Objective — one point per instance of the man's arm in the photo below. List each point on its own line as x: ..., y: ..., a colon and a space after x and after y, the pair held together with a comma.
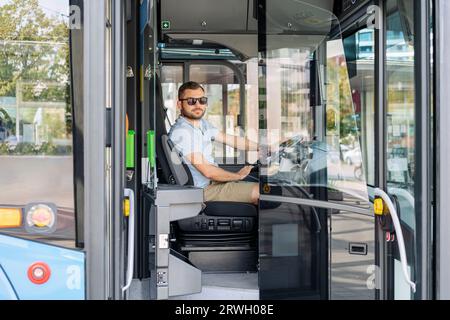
x: 236, y: 142
x: 215, y: 173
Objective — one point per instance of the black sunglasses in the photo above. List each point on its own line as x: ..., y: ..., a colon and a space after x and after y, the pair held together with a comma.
x: 193, y: 101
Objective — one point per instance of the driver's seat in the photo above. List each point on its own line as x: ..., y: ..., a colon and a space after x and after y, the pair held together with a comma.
x: 230, y: 226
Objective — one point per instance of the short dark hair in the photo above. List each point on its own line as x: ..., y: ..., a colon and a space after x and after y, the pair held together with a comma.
x: 191, y: 85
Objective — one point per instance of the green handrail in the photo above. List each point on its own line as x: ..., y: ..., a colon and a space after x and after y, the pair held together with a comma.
x: 151, y: 146
x: 130, y: 149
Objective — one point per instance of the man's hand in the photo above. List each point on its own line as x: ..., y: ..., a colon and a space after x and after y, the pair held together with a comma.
x: 244, y: 172
x: 236, y: 142
x: 214, y: 173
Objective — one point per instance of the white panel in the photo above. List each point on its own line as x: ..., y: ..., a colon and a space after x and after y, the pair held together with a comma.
x: 402, y: 289
x: 220, y: 16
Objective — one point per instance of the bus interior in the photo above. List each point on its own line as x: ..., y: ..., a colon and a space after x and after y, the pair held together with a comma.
x: 302, y: 78
x: 283, y: 80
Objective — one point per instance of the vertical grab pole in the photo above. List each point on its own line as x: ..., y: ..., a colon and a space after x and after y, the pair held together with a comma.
x: 130, y: 265
x: 399, y: 233
x: 130, y: 149
x: 151, y: 148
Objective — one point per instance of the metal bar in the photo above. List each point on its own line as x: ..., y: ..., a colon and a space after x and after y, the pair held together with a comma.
x: 108, y: 163
x: 94, y: 52
x: 186, y: 71
x: 442, y: 69
x: 380, y: 102
x: 118, y: 145
x: 319, y: 204
x: 76, y: 80
x: 224, y: 117
x: 422, y: 142
x: 356, y: 19
x: 380, y: 142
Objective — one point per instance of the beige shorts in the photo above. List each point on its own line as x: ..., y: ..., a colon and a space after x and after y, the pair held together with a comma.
x: 230, y: 191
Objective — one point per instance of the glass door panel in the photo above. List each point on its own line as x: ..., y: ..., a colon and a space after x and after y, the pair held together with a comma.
x: 292, y: 263
x: 401, y: 128
x: 306, y: 137
x: 360, y: 54
x: 307, y: 123
x: 37, y: 119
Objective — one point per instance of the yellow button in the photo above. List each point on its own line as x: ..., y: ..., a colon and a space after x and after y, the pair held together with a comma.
x: 10, y: 217
x: 378, y: 207
x: 126, y: 207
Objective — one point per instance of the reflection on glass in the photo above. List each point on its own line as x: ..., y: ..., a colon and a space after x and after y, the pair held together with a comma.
x: 313, y: 138
x: 360, y: 54
x: 401, y: 119
x: 310, y: 138
x: 36, y: 163
x: 347, y: 172
x: 171, y: 81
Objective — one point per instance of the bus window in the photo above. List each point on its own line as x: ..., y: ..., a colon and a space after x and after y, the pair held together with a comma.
x: 36, y: 158
x: 223, y: 88
x: 171, y: 80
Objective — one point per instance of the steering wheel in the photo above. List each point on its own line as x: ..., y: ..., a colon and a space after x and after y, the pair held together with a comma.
x: 293, y: 158
x: 256, y: 166
x: 295, y: 149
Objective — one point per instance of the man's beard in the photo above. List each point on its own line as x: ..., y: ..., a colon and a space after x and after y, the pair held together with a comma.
x: 191, y: 115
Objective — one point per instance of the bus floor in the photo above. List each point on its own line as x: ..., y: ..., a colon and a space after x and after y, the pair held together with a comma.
x: 215, y: 286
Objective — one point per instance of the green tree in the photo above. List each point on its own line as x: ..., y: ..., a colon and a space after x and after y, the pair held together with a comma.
x: 340, y: 104
x: 30, y: 40
x: 34, y: 49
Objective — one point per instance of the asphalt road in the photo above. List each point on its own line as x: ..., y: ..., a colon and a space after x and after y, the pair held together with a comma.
x: 26, y: 179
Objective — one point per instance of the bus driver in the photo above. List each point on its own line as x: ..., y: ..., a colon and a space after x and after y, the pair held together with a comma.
x: 193, y: 136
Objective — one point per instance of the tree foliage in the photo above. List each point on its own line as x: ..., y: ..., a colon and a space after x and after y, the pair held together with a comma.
x: 341, y: 119
x: 34, y: 45
x: 34, y: 52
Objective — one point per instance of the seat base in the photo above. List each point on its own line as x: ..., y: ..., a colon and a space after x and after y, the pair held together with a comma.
x: 223, y: 238
x: 227, y: 286
x: 224, y: 260
x: 232, y: 209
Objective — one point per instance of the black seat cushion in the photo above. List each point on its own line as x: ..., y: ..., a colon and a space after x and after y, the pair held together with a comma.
x: 230, y: 209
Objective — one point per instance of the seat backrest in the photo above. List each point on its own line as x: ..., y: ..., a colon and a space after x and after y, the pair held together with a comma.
x: 180, y: 173
x: 173, y: 168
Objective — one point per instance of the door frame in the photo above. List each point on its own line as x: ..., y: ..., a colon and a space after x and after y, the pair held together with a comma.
x: 104, y: 83
x: 442, y: 155
x: 94, y: 85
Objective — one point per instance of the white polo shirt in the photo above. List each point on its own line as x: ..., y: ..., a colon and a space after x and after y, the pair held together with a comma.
x: 189, y: 139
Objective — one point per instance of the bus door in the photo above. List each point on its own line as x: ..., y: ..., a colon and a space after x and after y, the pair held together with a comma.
x: 316, y: 223
x: 382, y: 67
